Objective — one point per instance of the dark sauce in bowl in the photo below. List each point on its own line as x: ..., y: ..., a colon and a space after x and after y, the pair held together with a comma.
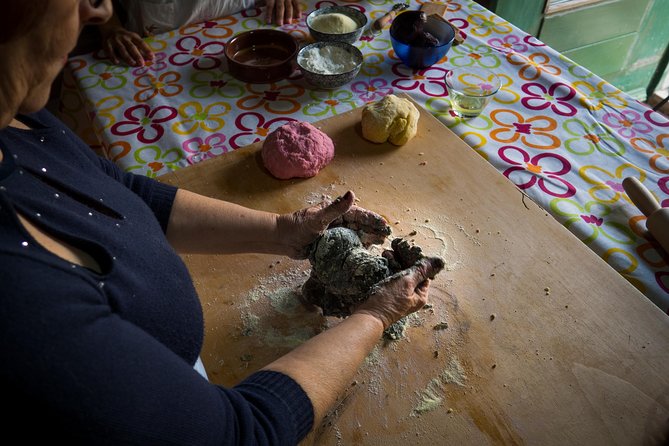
x: 261, y: 56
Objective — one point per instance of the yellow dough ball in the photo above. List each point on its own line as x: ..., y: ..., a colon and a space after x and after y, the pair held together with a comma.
x: 390, y: 119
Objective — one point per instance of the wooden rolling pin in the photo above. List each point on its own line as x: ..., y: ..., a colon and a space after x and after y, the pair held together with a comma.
x: 657, y: 221
x: 375, y: 28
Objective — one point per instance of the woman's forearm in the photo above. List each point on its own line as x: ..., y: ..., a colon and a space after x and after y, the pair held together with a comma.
x: 204, y: 225
x: 325, y: 365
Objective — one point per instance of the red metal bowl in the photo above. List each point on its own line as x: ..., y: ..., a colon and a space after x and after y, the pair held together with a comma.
x: 261, y: 56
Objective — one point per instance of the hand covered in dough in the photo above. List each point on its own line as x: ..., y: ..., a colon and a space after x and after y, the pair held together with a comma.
x: 402, y: 293
x: 299, y: 229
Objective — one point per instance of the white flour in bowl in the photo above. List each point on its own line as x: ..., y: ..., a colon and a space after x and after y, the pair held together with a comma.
x: 327, y: 60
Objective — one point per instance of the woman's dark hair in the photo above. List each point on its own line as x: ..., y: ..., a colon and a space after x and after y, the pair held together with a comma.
x: 19, y: 16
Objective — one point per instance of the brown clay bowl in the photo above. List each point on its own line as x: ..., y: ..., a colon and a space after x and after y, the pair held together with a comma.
x: 261, y: 56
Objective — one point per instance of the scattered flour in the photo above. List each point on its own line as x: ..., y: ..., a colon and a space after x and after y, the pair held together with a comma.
x: 454, y: 373
x: 430, y: 398
x: 285, y: 300
x: 433, y: 395
x: 250, y: 323
x: 273, y: 296
x: 296, y: 337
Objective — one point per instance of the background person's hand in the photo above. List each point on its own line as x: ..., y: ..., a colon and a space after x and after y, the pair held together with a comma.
x: 281, y: 12
x: 402, y: 293
x: 299, y: 229
x: 122, y: 45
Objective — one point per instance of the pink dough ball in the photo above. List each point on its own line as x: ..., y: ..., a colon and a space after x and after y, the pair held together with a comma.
x: 296, y: 150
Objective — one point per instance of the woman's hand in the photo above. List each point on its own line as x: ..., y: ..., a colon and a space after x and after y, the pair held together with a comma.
x: 121, y: 44
x: 299, y: 229
x: 402, y: 293
x: 281, y: 12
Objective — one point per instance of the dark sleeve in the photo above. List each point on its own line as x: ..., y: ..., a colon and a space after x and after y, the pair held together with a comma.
x: 87, y: 376
x: 158, y: 196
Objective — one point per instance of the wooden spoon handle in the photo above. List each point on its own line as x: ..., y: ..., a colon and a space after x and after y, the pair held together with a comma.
x: 640, y: 196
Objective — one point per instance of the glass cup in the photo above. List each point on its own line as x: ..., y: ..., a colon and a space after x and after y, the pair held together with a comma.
x: 470, y: 89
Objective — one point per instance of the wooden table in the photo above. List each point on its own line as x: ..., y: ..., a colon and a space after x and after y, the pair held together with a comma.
x: 545, y: 344
x: 564, y: 136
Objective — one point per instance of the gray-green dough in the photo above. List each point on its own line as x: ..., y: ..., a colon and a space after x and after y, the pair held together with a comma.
x: 344, y: 273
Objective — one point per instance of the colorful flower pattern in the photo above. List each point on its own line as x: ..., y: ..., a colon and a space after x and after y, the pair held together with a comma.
x: 167, y: 85
x: 564, y: 136
x: 533, y: 66
x: 534, y: 132
x: 556, y: 97
x: 544, y: 170
x: 144, y: 122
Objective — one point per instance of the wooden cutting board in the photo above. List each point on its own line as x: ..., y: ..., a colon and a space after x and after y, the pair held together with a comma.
x: 531, y: 338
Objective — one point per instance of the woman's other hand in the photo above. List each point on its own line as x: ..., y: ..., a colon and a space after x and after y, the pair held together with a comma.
x: 299, y: 229
x: 402, y: 293
x: 280, y: 12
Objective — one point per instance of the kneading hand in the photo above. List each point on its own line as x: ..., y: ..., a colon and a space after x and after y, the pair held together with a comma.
x: 280, y: 12
x: 121, y: 44
x: 299, y: 229
x: 402, y: 293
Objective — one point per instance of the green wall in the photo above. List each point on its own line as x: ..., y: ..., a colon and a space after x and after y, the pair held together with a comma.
x: 623, y: 41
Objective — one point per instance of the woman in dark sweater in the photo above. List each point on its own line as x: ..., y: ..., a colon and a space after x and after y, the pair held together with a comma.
x: 100, y: 323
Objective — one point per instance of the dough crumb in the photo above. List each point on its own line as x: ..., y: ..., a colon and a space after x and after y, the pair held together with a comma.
x: 441, y: 326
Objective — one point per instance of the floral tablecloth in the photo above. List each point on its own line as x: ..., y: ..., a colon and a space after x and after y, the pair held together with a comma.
x: 564, y: 136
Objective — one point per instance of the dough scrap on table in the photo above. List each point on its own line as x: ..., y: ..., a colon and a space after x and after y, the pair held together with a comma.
x: 391, y: 119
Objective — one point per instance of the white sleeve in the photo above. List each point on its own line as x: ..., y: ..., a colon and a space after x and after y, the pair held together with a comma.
x: 148, y: 17
x: 211, y: 9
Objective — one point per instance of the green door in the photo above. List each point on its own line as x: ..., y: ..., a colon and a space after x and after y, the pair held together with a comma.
x: 622, y: 41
